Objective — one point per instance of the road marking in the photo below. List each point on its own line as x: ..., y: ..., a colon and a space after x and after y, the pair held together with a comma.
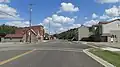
x: 61, y: 49
x: 93, y: 46
x: 16, y: 57
x: 47, y: 48
x: 89, y: 45
x: 98, y: 59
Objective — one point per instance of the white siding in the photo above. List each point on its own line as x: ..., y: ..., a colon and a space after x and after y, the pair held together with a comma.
x: 111, y: 26
x: 117, y: 33
x: 83, y: 32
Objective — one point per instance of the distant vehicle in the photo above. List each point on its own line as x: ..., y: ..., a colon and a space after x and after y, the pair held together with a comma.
x: 46, y: 38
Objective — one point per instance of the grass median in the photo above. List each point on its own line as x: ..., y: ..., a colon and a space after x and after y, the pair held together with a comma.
x: 111, y: 57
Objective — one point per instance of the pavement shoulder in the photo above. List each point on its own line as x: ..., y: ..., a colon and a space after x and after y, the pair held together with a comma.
x: 98, y: 59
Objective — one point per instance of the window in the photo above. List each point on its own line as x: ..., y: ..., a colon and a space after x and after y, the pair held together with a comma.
x: 115, y: 36
x: 118, y: 24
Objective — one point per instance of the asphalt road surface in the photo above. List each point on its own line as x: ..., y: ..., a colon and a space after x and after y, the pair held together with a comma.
x: 57, y: 53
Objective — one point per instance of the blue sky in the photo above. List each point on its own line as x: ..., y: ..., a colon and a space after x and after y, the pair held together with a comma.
x: 61, y: 14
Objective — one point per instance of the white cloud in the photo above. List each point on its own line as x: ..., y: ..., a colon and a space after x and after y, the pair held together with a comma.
x: 4, y: 1
x: 58, y: 19
x: 113, y: 18
x: 74, y: 26
x: 114, y: 11
x: 107, y: 1
x: 86, y: 18
x: 91, y: 22
x: 56, y: 24
x: 62, y: 19
x: 52, y: 25
x: 110, y: 13
x: 18, y: 23
x: 62, y: 29
x: 68, y: 7
x: 104, y: 17
x: 7, y: 12
x: 40, y: 24
x: 47, y: 20
x: 94, y: 16
x: 59, y: 23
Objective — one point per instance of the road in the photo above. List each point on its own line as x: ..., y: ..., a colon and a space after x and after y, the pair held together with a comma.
x: 57, y: 53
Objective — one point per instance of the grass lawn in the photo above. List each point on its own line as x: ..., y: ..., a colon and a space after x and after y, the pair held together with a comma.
x: 111, y: 57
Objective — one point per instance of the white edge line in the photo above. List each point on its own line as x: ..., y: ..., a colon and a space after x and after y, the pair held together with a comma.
x: 98, y: 59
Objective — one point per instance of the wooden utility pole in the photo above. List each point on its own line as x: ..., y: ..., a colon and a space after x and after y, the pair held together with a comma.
x: 30, y: 20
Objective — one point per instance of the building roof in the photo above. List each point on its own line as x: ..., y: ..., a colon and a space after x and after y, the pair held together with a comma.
x: 14, y: 36
x: 2, y: 34
x: 21, y: 31
x: 108, y: 21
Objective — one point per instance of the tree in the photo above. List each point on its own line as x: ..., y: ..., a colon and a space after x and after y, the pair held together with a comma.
x: 71, y: 34
x: 7, y: 29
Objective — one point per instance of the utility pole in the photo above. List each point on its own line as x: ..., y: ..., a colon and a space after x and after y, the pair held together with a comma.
x: 49, y: 30
x: 30, y: 20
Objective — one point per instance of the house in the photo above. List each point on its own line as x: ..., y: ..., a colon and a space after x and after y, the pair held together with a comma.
x: 83, y: 33
x: 13, y: 38
x: 26, y: 34
x: 105, y: 31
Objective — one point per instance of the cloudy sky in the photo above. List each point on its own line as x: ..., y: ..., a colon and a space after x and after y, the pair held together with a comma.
x: 60, y: 14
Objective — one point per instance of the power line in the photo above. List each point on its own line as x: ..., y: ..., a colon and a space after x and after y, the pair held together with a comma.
x: 13, y: 20
x: 8, y: 14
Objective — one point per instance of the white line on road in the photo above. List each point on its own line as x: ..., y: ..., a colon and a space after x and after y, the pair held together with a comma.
x: 45, y: 48
x: 98, y: 59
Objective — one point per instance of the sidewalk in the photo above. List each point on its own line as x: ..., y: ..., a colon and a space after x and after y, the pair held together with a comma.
x: 103, y: 44
x: 8, y: 44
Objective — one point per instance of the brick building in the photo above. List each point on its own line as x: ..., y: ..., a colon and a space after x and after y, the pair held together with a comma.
x: 23, y: 34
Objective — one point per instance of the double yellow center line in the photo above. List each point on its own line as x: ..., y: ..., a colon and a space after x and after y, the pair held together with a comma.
x: 16, y: 57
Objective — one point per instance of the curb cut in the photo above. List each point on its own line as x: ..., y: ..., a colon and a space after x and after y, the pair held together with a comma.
x: 98, y: 59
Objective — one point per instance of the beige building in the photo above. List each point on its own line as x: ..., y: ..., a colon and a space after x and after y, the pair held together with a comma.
x: 108, y: 31
x: 83, y: 33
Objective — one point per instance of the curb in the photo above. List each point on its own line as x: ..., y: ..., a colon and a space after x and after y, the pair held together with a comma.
x: 107, y: 45
x: 98, y: 59
x: 85, y: 43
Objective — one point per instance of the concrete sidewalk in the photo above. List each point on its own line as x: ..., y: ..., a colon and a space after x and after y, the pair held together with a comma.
x: 103, y: 44
x: 8, y: 44
x: 12, y: 44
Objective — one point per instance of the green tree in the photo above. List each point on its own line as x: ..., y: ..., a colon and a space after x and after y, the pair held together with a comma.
x: 7, y: 29
x: 71, y: 34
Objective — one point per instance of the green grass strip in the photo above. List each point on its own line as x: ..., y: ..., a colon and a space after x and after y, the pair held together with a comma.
x: 111, y: 57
